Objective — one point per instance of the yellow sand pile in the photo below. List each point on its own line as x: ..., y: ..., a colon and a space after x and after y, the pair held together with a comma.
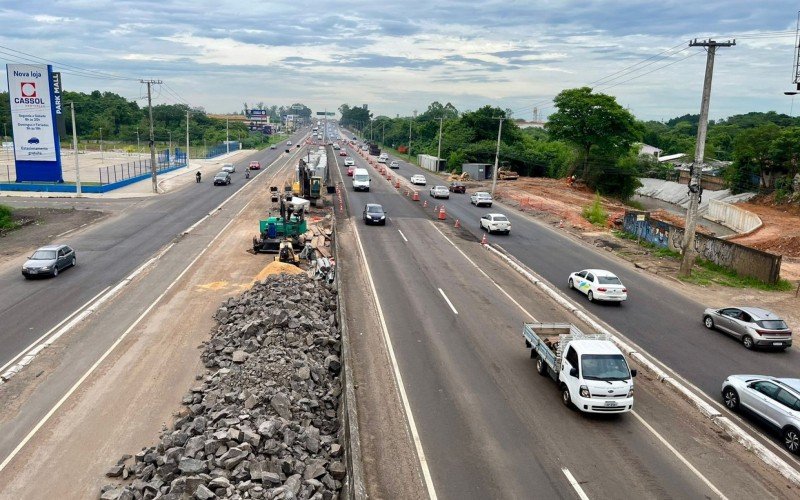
x: 277, y: 267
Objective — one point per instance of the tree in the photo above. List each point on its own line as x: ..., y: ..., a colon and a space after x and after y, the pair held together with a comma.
x: 591, y: 120
x: 751, y: 152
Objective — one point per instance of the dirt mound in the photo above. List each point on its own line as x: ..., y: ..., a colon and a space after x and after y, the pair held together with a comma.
x: 277, y: 267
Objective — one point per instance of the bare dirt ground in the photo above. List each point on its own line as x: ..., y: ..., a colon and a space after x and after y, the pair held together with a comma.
x: 39, y: 226
x: 552, y: 201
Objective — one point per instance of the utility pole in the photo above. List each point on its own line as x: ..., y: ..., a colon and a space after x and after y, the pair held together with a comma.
x: 152, y: 134
x: 101, y: 143
x: 439, y: 151
x: 169, y: 149
x: 497, y: 155
x: 75, y: 152
x: 187, y: 137
x: 410, y: 121
x: 138, y: 150
x: 227, y: 138
x: 689, y: 254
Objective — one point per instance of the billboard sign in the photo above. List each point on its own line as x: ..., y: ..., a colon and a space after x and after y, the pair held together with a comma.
x: 33, y: 118
x: 254, y: 112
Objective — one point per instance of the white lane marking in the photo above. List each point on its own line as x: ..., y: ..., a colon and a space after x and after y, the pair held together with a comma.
x: 484, y: 273
x: 679, y: 456
x: 648, y: 426
x: 426, y: 473
x: 403, y: 235
x: 581, y: 494
x: 448, y: 301
x: 97, y: 363
x: 33, y: 344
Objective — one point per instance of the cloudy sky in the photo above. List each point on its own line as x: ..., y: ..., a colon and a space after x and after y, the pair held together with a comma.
x: 400, y: 56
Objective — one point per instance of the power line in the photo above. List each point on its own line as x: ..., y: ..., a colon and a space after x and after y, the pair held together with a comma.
x: 90, y: 72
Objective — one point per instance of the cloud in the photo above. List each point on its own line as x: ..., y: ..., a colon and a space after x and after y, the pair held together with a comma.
x: 400, y: 56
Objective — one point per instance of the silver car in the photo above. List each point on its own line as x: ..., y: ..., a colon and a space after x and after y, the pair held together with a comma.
x: 48, y: 261
x: 481, y: 198
x: 752, y: 325
x: 776, y: 400
x: 440, y: 192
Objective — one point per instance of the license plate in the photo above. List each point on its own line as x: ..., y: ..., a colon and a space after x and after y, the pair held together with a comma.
x: 611, y: 403
x: 33, y: 271
x: 777, y: 343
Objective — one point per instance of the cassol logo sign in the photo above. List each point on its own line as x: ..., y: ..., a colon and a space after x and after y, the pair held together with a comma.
x: 28, y: 92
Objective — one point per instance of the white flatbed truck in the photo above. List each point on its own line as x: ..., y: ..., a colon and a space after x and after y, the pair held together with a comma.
x: 590, y: 370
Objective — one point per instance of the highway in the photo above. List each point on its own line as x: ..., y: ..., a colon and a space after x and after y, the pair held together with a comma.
x: 488, y: 424
x: 656, y: 317
x: 106, y: 252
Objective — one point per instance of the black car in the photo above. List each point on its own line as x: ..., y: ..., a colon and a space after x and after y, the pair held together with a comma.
x: 374, y: 214
x: 222, y: 179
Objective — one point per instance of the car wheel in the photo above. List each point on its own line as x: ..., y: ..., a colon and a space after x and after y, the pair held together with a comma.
x: 731, y: 398
x: 541, y: 367
x: 55, y: 270
x: 26, y: 276
x: 590, y: 296
x: 74, y: 261
x: 570, y: 284
x: 708, y: 321
x: 747, y: 340
x: 791, y: 439
x: 565, y: 398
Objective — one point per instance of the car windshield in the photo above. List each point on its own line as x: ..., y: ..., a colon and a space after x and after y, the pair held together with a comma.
x: 773, y: 324
x: 44, y: 255
x: 220, y: 176
x: 482, y: 195
x: 374, y: 209
x: 361, y: 177
x: 608, y: 280
x: 500, y: 218
x: 604, y: 367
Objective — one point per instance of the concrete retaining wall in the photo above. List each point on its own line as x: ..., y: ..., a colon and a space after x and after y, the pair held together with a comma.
x: 744, y: 260
x: 731, y: 216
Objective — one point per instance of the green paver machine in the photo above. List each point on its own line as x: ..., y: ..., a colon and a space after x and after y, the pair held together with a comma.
x: 290, y: 225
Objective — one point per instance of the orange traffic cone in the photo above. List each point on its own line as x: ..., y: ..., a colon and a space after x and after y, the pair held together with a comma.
x: 397, y: 184
x: 442, y: 213
x: 415, y: 197
x: 458, y: 223
x: 484, y: 240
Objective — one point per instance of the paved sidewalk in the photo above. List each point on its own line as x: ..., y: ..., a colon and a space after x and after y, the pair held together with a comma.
x: 166, y: 182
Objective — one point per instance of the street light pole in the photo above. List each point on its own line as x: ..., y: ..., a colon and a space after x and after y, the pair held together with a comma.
x: 227, y: 137
x: 101, y: 143
x: 439, y: 151
x: 75, y: 151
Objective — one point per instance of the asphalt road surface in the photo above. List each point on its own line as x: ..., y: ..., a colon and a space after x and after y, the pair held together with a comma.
x: 106, y: 254
x: 489, y: 425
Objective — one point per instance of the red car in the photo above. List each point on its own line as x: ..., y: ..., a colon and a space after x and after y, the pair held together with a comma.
x: 342, y: 153
x: 254, y: 165
x: 350, y: 171
x: 457, y: 187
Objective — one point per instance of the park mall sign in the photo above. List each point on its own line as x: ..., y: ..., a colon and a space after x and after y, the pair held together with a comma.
x: 33, y: 115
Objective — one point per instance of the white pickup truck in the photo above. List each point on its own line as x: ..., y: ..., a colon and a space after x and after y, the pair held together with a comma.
x: 589, y: 369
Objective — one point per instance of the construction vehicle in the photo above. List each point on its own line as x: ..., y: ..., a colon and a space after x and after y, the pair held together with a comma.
x: 287, y: 254
x: 504, y: 174
x: 290, y: 225
x: 309, y: 186
x: 374, y: 150
x: 463, y: 176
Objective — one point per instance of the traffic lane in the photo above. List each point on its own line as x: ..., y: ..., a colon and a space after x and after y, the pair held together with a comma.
x: 474, y: 399
x: 106, y: 254
x: 450, y: 432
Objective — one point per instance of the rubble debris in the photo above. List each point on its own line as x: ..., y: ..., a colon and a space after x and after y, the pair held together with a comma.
x: 264, y: 422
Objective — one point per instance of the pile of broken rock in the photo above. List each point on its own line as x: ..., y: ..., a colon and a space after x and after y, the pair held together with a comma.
x: 263, y: 421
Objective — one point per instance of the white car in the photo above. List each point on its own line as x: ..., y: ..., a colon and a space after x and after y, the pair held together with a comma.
x: 776, y: 400
x: 381, y: 159
x: 481, y: 198
x: 440, y: 192
x: 418, y: 180
x: 495, y: 223
x: 348, y: 162
x: 394, y: 164
x: 228, y: 167
x: 288, y: 143
x: 598, y: 284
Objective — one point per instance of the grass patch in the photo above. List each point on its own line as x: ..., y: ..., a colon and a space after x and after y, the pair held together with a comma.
x: 594, y: 213
x: 706, y: 273
x: 6, y: 219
